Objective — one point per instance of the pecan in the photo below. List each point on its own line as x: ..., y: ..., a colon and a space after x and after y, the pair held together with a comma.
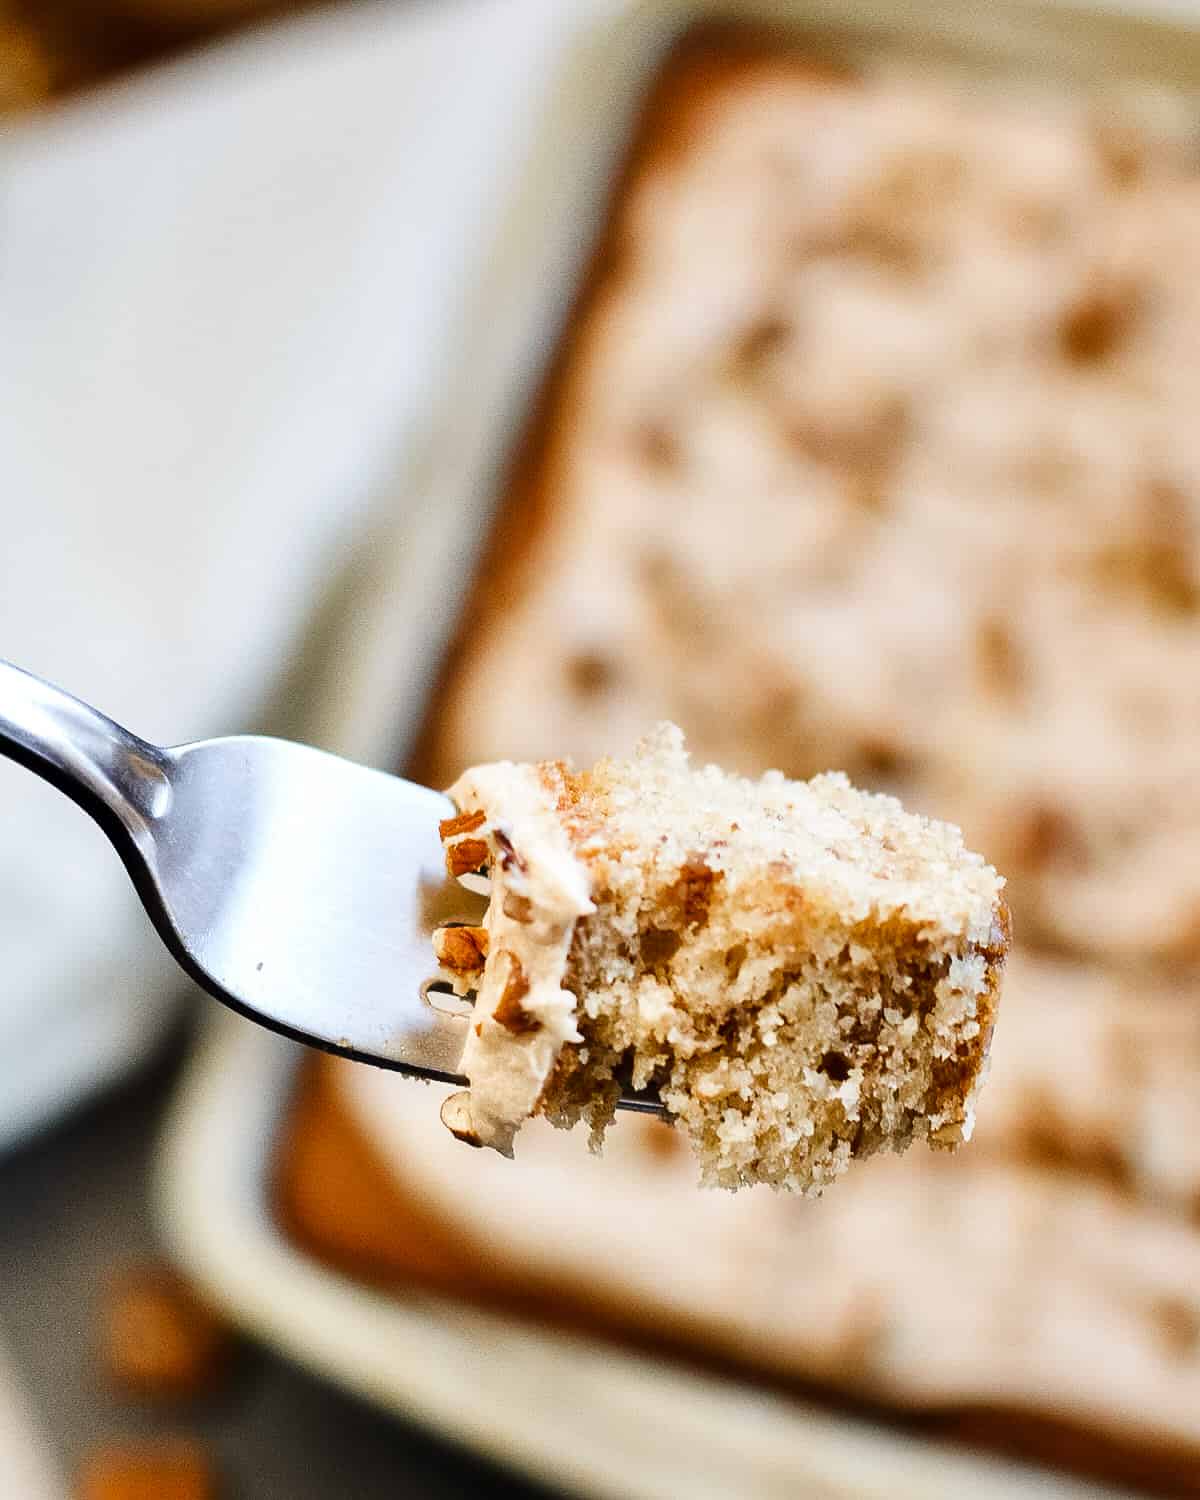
x: 466, y: 855
x: 510, y: 1013
x: 462, y: 949
x: 465, y: 822
x: 456, y: 1117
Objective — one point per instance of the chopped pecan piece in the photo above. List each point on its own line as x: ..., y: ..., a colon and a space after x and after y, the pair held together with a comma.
x: 456, y: 1117
x: 462, y: 949
x: 510, y: 1013
x: 466, y: 855
x: 466, y: 822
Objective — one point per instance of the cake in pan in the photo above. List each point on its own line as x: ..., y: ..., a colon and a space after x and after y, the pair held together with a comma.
x: 1037, y: 1293
x: 872, y: 448
x: 871, y: 445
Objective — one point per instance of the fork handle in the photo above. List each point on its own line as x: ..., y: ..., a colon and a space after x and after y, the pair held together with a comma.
x: 119, y: 779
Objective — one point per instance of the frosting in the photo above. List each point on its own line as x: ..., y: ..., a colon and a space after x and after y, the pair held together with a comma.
x: 522, y: 1016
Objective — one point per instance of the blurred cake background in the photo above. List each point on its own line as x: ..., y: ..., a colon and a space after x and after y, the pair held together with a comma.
x: 868, y: 443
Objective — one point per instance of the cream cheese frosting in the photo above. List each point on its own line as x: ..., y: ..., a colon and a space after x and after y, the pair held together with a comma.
x: 522, y: 1015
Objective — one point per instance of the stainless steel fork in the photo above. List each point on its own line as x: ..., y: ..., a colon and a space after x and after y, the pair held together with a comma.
x: 297, y: 887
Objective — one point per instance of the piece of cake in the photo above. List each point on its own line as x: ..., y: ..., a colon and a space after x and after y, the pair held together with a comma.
x: 802, y: 971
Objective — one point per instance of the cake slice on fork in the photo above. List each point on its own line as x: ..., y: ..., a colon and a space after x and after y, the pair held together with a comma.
x: 803, y: 972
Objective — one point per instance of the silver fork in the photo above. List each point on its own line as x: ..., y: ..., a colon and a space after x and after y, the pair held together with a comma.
x: 299, y: 888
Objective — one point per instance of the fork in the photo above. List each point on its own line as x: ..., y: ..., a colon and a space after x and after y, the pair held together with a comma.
x: 299, y: 888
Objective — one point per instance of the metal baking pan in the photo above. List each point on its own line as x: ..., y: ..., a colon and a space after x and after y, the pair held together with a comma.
x: 560, y: 1406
